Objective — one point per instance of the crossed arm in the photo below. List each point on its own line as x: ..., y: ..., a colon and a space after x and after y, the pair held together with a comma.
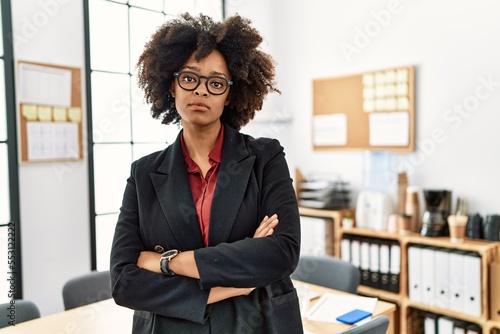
x: 184, y: 263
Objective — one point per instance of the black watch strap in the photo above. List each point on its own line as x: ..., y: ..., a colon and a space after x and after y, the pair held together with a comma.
x: 165, y: 259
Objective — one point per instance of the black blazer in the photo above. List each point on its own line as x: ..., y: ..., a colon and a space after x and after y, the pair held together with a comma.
x: 158, y: 209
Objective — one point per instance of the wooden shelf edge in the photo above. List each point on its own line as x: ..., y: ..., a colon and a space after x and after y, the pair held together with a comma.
x: 365, y: 232
x: 304, y: 211
x: 457, y: 315
x: 468, y: 245
x: 382, y: 294
x: 494, y: 324
x: 473, y: 245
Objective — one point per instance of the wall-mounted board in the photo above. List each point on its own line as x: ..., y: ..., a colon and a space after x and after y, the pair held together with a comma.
x: 369, y: 111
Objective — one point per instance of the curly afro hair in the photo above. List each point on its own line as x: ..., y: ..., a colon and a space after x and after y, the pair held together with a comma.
x: 252, y: 71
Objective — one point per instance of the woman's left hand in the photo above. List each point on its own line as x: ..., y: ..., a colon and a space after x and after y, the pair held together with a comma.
x: 150, y: 261
x: 266, y: 226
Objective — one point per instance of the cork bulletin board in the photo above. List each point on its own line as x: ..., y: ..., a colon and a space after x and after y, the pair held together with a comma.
x: 368, y: 111
x: 49, y: 112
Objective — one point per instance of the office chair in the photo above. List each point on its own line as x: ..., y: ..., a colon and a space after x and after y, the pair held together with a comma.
x: 328, y: 271
x: 377, y: 325
x: 21, y: 310
x: 87, y: 289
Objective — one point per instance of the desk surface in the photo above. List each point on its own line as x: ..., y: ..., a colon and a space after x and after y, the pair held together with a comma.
x: 381, y: 308
x: 106, y: 317
x: 103, y: 317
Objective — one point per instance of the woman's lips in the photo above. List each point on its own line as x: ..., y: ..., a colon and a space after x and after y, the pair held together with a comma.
x: 198, y: 106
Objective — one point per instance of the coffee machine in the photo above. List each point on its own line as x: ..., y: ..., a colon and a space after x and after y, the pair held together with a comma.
x: 437, y: 210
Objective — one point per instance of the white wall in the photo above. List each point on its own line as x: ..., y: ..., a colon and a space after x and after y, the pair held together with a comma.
x: 54, y: 197
x: 454, y: 48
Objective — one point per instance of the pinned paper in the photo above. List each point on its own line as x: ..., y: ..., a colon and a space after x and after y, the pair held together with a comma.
x: 330, y: 130
x: 44, y: 85
x: 44, y: 113
x: 389, y: 129
x: 60, y: 114
x: 29, y: 111
x: 75, y: 114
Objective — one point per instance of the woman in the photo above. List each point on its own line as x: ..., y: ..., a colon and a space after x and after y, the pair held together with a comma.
x: 198, y: 246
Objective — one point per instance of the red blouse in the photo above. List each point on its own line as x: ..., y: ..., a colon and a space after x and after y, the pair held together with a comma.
x: 203, y: 188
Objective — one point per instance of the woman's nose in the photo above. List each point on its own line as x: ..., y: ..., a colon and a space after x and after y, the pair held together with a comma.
x: 202, y: 88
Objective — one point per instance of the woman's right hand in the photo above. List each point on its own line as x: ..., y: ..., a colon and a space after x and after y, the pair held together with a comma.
x: 266, y: 226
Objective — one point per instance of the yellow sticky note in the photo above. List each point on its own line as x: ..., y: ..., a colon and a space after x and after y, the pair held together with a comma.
x: 75, y: 114
x: 29, y: 111
x: 368, y: 105
x: 44, y: 113
x: 402, y: 75
x: 59, y: 114
x: 368, y: 80
x: 402, y: 89
x: 390, y: 76
x: 403, y: 103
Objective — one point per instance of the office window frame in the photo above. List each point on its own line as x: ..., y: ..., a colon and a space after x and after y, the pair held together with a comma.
x: 12, y: 154
x: 93, y: 147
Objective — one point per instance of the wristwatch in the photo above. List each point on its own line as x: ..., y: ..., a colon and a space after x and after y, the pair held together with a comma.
x: 165, y: 259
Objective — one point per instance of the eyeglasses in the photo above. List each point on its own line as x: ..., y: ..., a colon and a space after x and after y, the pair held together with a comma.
x: 216, y: 85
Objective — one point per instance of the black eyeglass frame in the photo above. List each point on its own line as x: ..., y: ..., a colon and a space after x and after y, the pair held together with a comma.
x: 207, y: 79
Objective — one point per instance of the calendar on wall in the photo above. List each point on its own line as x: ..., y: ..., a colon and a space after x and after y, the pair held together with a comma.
x: 50, y: 112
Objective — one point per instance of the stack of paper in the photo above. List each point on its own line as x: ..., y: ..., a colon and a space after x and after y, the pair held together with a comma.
x: 330, y: 306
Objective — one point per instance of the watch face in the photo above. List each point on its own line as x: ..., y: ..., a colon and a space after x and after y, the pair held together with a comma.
x: 170, y: 253
x: 165, y: 259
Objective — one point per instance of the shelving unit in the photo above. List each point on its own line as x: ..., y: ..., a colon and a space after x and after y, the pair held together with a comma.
x: 488, y: 251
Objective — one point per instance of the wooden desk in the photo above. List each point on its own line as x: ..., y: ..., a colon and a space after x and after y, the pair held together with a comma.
x: 381, y: 308
x: 106, y: 317
x: 103, y: 317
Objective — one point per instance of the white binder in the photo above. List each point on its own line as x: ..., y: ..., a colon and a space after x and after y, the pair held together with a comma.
x: 415, y: 273
x: 430, y: 325
x: 355, y: 252
x: 345, y: 249
x: 473, y: 329
x: 394, y: 267
x: 459, y: 327
x: 365, y: 254
x: 445, y: 325
x: 428, y: 274
x: 457, y: 287
x: 375, y: 264
x: 395, y: 263
x: 472, y: 284
x: 365, y: 261
x: 313, y: 232
x: 385, y: 257
x: 441, y: 278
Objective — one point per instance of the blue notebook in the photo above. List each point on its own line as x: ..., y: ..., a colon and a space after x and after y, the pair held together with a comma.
x: 353, y: 316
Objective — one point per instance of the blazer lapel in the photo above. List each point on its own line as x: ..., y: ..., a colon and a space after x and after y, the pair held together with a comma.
x: 234, y: 173
x: 174, y: 194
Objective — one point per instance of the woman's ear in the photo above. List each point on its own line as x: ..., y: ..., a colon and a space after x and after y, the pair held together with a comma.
x: 172, y: 90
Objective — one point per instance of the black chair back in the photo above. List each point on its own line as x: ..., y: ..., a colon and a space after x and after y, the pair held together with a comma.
x: 87, y: 289
x: 328, y: 271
